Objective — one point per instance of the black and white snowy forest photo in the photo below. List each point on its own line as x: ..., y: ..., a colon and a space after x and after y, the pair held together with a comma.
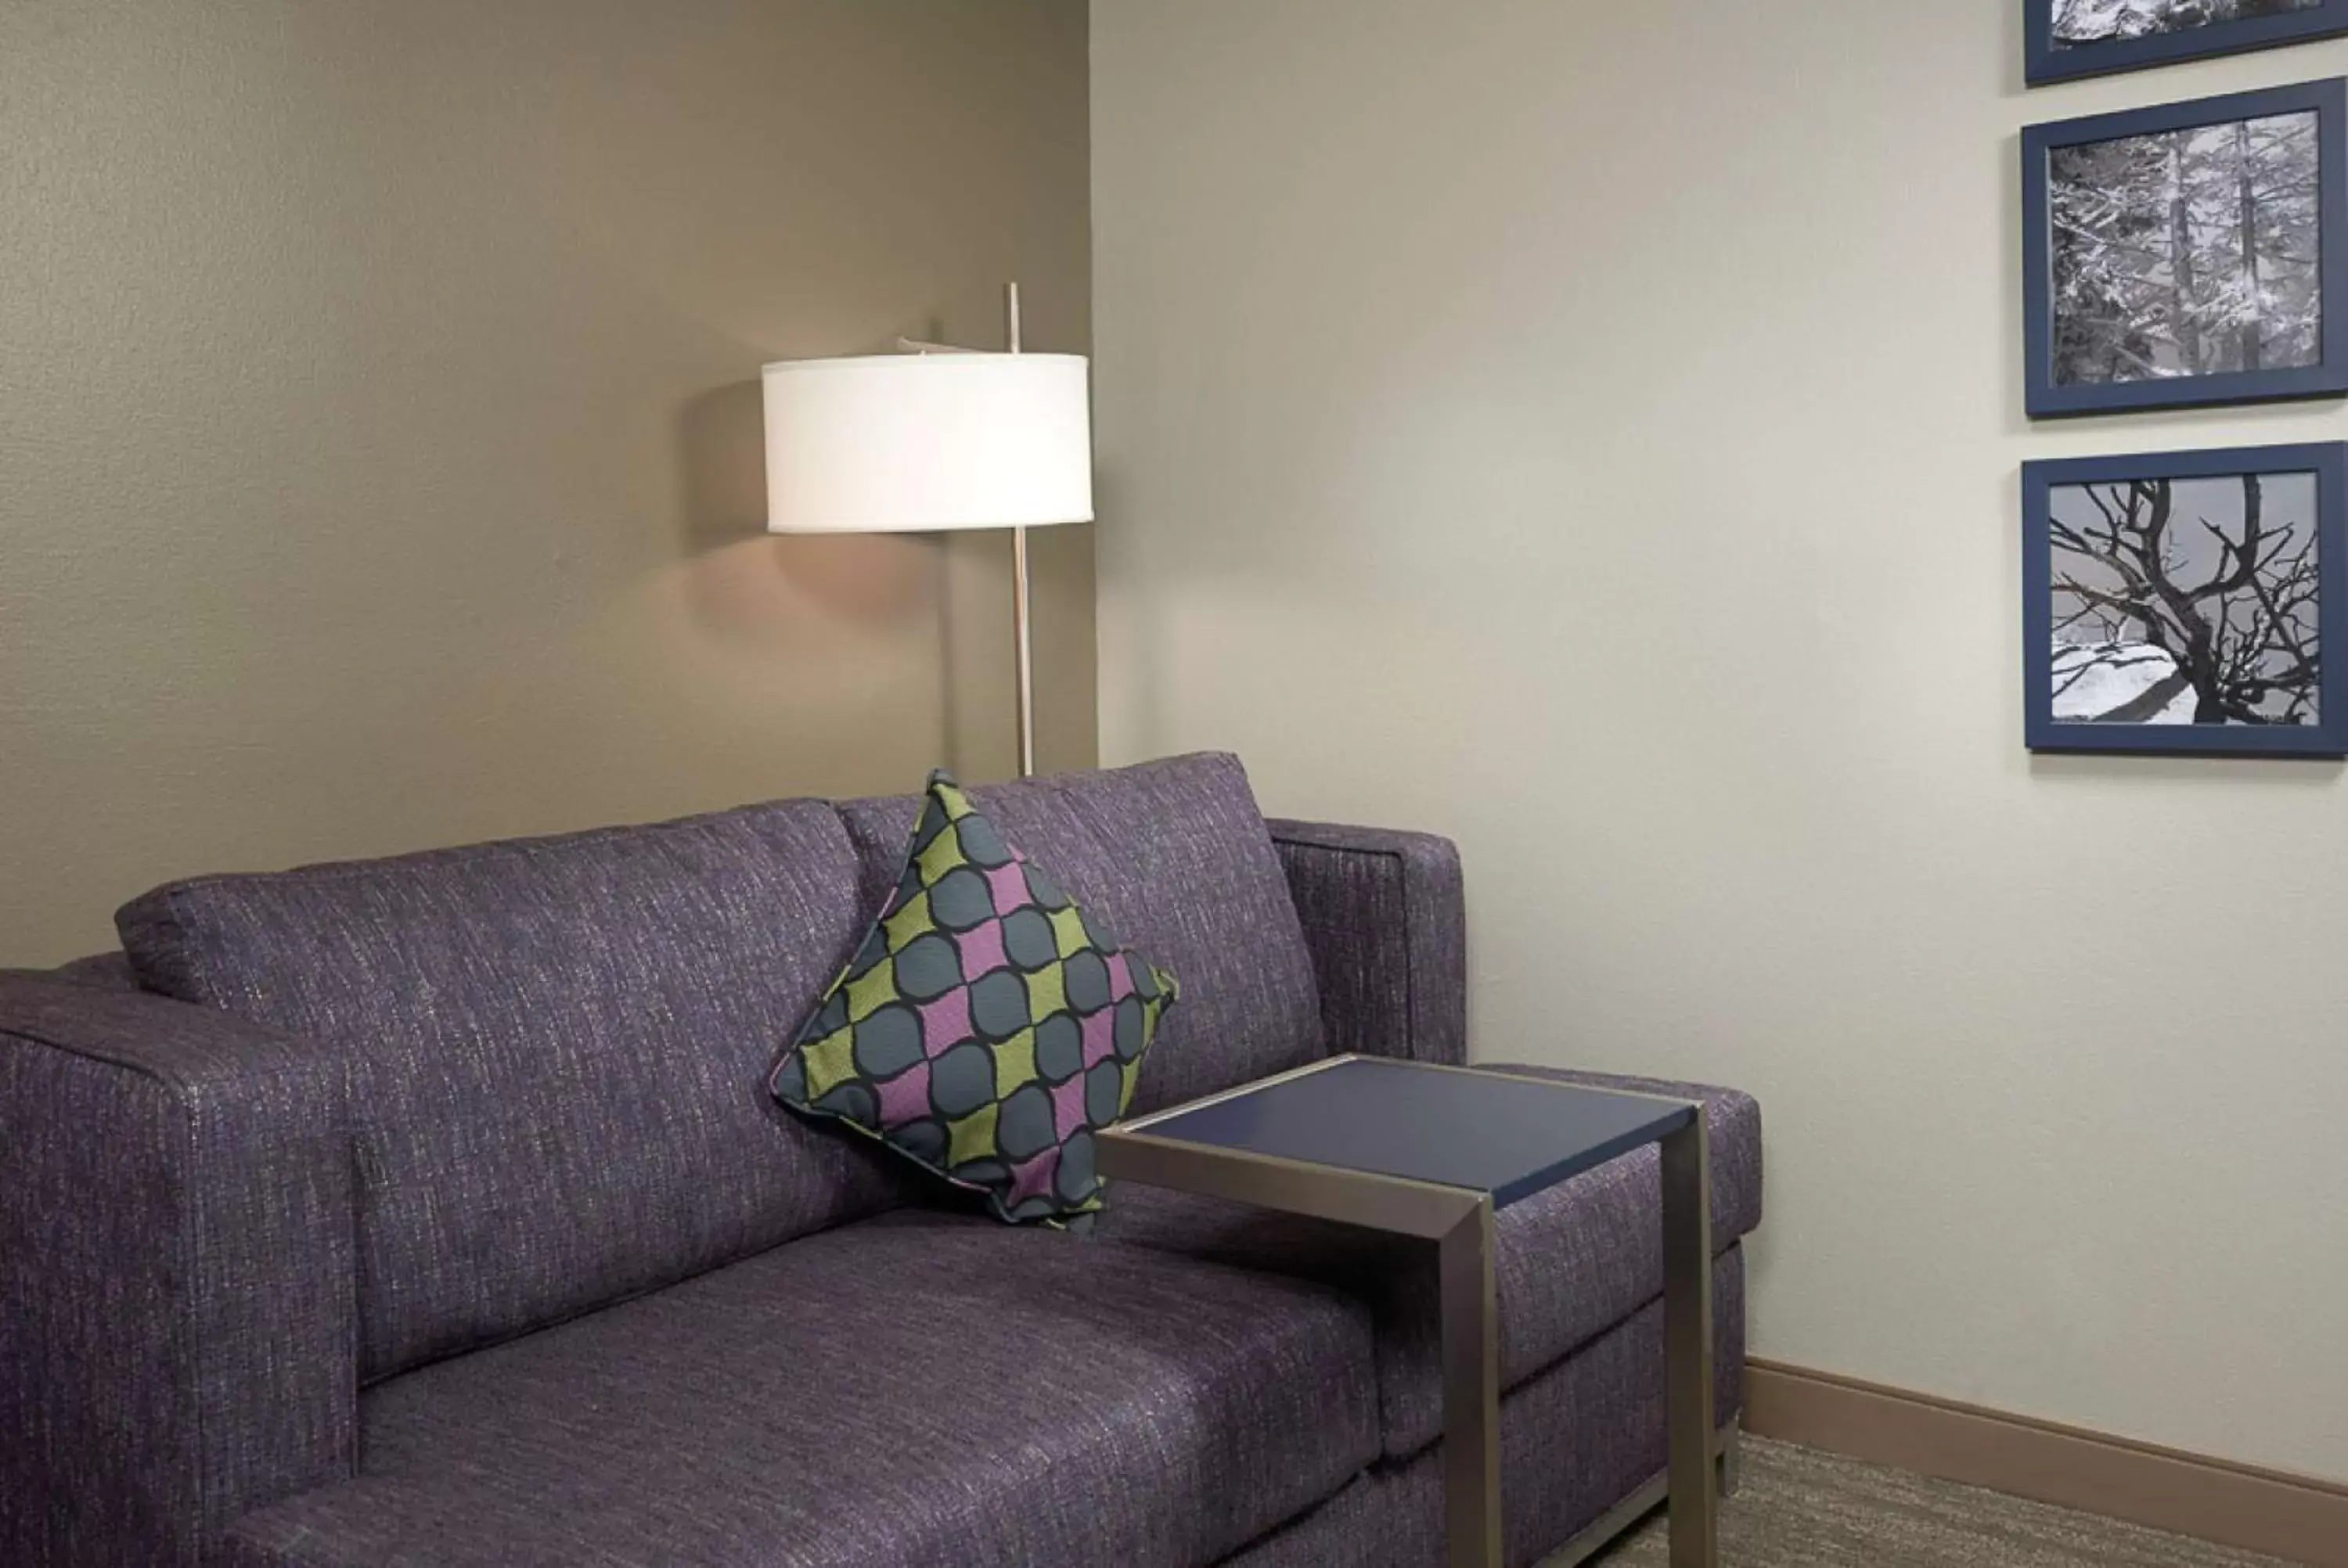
x: 2187, y: 252
x: 2073, y: 38
x: 2078, y: 22
x: 2186, y: 601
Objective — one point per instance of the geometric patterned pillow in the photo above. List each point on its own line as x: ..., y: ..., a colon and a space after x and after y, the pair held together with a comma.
x: 985, y: 1028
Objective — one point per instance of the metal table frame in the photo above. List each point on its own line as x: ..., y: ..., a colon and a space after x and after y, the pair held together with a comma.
x: 1459, y: 1220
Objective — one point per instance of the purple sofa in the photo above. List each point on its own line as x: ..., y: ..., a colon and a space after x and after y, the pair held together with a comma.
x: 433, y: 1210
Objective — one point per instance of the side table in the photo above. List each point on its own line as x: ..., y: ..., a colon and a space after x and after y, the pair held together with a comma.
x: 1435, y: 1152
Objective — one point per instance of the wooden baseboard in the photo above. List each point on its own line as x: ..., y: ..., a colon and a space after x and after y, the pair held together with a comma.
x: 2298, y: 1518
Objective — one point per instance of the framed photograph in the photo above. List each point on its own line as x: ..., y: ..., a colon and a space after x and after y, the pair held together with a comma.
x: 2187, y: 601
x: 2068, y: 38
x: 2191, y: 253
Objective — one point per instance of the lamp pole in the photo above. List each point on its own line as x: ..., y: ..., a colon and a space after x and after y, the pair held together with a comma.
x: 1019, y: 602
x: 1019, y: 605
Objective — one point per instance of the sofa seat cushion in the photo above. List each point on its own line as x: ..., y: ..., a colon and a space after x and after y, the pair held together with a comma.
x: 1572, y: 1261
x: 1176, y: 859
x: 1576, y: 1440
x: 917, y: 1390
x: 557, y: 1050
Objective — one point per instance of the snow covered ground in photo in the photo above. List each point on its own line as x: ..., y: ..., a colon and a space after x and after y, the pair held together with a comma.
x: 2093, y: 680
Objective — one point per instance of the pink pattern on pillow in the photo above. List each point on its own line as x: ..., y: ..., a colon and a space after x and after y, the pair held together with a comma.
x: 906, y: 1097
x: 1032, y: 1178
x: 982, y: 950
x: 1068, y: 1106
x: 1100, y: 1037
x: 945, y: 1021
x: 1009, y: 884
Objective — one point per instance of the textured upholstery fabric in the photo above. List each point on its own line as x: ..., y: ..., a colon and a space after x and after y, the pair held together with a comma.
x: 107, y: 971
x: 1574, y: 1441
x: 871, y: 1397
x: 177, y: 1327
x: 558, y: 1051
x: 1384, y: 917
x: 987, y: 1029
x: 1175, y: 858
x: 1369, y: 1524
x: 1572, y: 1261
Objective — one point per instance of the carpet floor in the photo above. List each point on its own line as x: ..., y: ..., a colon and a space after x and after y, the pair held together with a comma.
x: 1798, y: 1507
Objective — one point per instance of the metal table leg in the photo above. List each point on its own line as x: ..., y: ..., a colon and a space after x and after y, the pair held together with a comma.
x: 1687, y: 1345
x: 1472, y: 1392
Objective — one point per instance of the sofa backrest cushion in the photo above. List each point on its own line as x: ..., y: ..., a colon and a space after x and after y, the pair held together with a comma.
x: 558, y: 1051
x: 1175, y: 858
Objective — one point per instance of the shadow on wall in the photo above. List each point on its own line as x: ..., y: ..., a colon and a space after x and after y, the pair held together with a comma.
x: 745, y: 585
x: 1143, y: 617
x: 2261, y: 772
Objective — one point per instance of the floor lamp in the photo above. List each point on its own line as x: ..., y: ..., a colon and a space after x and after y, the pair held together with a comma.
x: 935, y: 438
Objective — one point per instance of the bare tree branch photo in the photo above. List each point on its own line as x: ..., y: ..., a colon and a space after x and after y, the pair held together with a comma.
x: 2188, y: 602
x: 2189, y: 253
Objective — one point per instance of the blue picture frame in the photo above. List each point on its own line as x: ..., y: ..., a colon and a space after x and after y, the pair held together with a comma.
x: 2328, y: 737
x: 2043, y: 63
x: 2045, y: 398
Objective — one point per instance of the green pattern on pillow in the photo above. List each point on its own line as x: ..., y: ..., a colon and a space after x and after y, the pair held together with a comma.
x: 986, y: 1027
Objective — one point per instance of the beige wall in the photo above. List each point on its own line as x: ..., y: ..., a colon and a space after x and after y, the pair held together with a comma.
x: 379, y: 434
x: 1592, y: 430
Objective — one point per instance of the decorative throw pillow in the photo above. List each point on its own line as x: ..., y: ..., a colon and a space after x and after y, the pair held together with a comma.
x: 986, y: 1028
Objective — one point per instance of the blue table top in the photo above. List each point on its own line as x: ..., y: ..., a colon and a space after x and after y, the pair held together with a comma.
x: 1510, y: 1137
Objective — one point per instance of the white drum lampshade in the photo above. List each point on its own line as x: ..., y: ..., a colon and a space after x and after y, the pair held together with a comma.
x: 914, y: 442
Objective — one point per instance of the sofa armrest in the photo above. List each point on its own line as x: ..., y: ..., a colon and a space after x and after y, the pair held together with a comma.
x: 1385, y: 921
x: 178, y: 1305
